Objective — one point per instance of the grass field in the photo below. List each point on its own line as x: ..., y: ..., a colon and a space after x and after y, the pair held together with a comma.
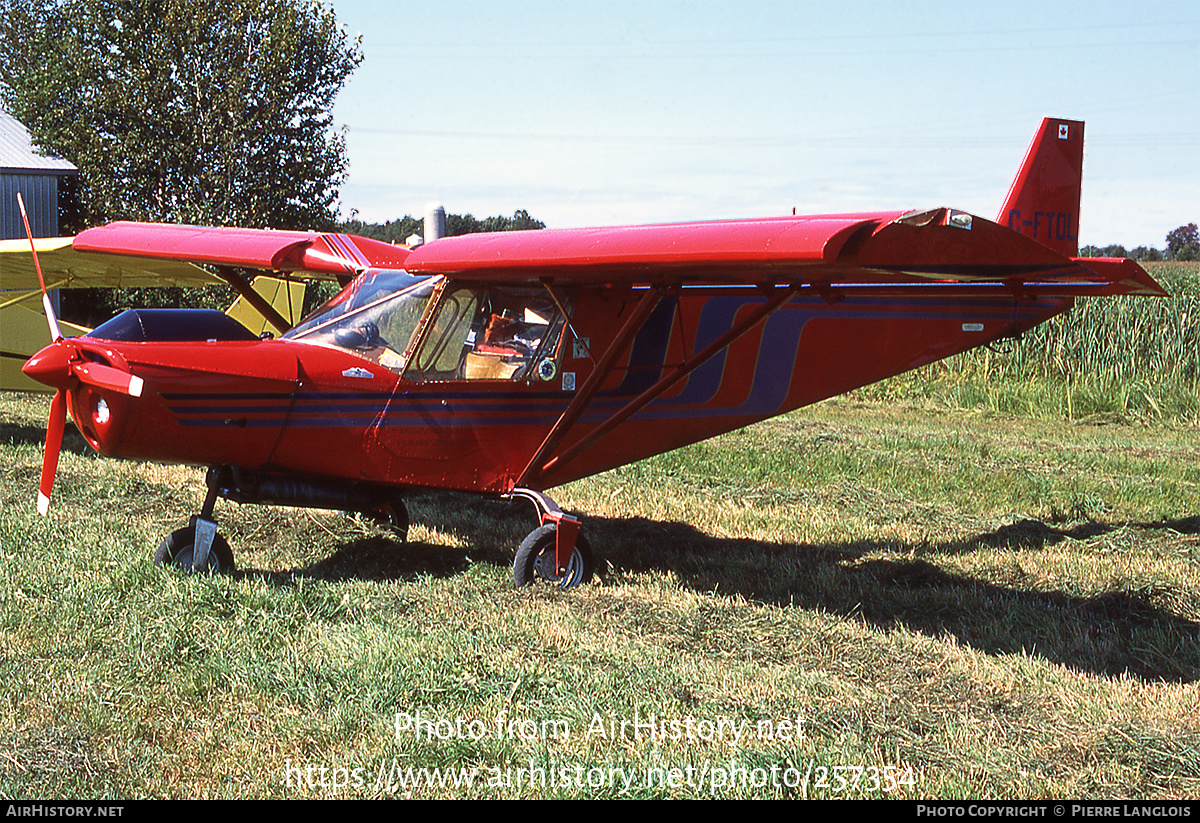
x: 921, y: 590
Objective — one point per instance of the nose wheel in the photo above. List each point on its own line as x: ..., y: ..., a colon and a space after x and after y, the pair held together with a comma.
x: 178, y: 549
x: 197, y: 547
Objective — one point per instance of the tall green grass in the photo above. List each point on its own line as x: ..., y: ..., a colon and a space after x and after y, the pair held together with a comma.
x: 1134, y: 356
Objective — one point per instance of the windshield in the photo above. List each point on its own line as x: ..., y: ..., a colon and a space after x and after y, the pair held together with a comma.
x: 375, y: 317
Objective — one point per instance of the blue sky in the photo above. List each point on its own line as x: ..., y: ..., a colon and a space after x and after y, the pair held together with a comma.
x: 638, y: 112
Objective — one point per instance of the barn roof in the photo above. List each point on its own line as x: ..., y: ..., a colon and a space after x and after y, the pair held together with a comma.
x: 17, y: 152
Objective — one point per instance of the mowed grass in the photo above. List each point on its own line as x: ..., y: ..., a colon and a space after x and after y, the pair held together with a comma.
x: 861, y: 599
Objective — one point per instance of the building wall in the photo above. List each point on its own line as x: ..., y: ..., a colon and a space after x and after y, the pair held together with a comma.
x: 40, y: 192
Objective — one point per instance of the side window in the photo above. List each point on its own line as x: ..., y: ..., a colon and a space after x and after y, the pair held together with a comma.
x: 508, y: 334
x: 440, y: 358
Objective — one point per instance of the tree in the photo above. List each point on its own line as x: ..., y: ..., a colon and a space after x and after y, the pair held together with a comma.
x: 469, y: 224
x: 398, y: 231
x: 192, y: 111
x: 1184, y: 243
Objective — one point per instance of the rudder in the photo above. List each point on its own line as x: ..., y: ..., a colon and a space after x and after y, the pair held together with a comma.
x: 1043, y: 202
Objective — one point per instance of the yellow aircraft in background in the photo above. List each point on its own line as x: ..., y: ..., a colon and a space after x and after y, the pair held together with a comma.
x: 265, y: 304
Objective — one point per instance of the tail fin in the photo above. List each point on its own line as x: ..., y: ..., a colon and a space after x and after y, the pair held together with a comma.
x: 1043, y: 202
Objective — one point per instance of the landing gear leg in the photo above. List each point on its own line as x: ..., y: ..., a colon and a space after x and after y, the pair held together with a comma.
x: 392, y: 516
x: 554, y: 552
x: 179, y: 549
x: 198, y: 546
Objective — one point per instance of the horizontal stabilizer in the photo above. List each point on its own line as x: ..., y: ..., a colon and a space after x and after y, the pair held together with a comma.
x: 1125, y: 275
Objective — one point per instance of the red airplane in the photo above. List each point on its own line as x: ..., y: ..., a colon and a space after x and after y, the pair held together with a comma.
x: 506, y: 364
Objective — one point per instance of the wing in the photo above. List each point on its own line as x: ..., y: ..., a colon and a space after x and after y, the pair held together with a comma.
x: 939, y: 247
x: 730, y: 249
x: 155, y: 254
x: 64, y: 267
x: 887, y: 250
x: 328, y: 256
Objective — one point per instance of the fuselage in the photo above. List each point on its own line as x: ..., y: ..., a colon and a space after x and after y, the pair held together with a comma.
x: 424, y: 382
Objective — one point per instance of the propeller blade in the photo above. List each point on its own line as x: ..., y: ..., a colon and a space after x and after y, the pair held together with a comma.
x: 107, y: 377
x: 54, y: 436
x: 51, y: 320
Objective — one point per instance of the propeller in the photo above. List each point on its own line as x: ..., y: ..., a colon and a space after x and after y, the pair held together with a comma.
x: 62, y: 366
x: 54, y: 436
x: 55, y: 333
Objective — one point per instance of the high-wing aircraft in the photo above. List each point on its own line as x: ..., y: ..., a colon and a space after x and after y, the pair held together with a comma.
x: 508, y: 364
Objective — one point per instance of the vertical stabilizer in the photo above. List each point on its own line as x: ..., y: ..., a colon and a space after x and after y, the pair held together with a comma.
x: 1043, y: 202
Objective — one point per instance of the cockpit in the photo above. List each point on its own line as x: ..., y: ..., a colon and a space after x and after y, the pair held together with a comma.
x: 433, y: 329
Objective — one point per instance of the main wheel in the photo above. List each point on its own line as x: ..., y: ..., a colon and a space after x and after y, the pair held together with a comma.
x: 392, y: 516
x: 536, y: 560
x: 177, y: 547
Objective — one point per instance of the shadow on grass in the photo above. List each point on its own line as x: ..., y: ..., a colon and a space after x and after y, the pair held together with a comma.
x: 492, y: 529
x: 379, y: 559
x: 1129, y: 629
x: 14, y: 434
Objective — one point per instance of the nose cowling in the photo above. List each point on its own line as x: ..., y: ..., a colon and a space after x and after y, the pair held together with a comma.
x: 65, y: 363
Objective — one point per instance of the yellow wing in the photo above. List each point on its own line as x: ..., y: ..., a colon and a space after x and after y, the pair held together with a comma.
x: 65, y: 268
x: 285, y: 296
x: 23, y: 328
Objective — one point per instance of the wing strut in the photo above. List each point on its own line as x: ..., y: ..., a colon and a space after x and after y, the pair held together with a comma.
x: 590, y: 386
x: 260, y: 304
x: 681, y: 371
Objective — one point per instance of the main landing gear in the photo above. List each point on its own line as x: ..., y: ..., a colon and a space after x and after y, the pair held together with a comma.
x: 555, y: 552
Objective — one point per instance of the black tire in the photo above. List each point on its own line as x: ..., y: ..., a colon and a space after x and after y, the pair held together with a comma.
x: 176, y: 550
x: 394, y: 517
x: 535, y: 560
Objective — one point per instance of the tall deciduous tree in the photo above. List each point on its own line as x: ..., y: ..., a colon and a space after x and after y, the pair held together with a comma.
x: 194, y: 111
x: 1184, y: 243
